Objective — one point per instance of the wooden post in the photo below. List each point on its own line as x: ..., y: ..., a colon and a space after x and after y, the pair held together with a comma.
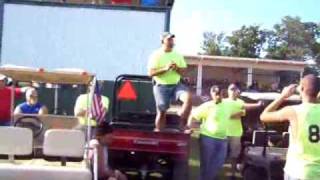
x: 199, y: 77
x: 249, y: 77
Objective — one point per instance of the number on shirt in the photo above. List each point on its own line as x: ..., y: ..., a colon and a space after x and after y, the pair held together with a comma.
x: 314, y: 133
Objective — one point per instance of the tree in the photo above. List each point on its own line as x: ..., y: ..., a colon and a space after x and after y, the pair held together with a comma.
x: 213, y: 43
x: 293, y: 40
x: 247, y: 41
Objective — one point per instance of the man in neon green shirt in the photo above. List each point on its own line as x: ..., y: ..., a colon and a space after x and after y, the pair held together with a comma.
x: 303, y: 156
x: 235, y: 130
x: 82, y: 108
x: 166, y: 67
x: 214, y: 117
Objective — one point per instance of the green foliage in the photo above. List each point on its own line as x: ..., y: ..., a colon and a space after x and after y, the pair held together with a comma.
x: 293, y: 40
x: 247, y: 41
x: 212, y: 42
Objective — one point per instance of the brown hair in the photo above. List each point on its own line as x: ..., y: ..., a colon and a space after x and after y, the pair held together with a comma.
x: 311, y: 85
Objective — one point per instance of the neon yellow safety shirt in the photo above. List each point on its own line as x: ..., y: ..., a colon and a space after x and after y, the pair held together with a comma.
x: 160, y: 59
x: 83, y: 102
x: 213, y: 119
x: 303, y: 157
x: 234, y: 125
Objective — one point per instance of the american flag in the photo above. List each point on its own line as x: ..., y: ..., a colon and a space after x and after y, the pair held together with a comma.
x: 98, y: 111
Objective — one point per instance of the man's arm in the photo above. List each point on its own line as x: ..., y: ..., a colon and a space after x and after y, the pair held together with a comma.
x: 153, y: 66
x: 180, y: 65
x: 158, y: 71
x: 180, y: 71
x: 43, y: 110
x: 271, y: 114
x: 196, y: 117
x: 190, y: 125
x: 238, y: 115
x: 78, y: 110
x: 251, y: 106
x: 191, y: 122
x: 17, y: 110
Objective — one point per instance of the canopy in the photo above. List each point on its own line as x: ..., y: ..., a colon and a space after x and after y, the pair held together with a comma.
x: 61, y: 76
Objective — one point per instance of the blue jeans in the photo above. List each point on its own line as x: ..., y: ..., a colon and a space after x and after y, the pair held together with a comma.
x: 165, y: 94
x: 213, y: 153
x: 5, y: 123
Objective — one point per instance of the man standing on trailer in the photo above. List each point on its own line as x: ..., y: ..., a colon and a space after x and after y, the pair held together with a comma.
x: 166, y: 67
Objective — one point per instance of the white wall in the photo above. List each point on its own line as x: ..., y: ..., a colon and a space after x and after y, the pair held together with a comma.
x: 106, y: 42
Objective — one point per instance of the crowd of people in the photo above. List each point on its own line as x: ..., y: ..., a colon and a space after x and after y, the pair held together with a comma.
x: 220, y: 118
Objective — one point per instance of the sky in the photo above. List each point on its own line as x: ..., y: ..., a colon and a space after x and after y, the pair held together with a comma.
x: 190, y: 18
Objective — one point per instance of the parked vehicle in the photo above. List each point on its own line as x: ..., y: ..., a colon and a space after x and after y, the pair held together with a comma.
x: 43, y: 146
x: 265, y: 148
x: 138, y: 150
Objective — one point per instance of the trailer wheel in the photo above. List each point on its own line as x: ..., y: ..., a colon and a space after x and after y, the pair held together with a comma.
x: 254, y: 173
x: 180, y: 170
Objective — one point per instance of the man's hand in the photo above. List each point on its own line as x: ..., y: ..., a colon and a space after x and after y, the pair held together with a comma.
x: 81, y: 113
x: 117, y: 173
x: 174, y: 66
x: 271, y: 114
x: 260, y: 103
x: 164, y: 69
x: 288, y: 91
x: 106, y: 109
x: 238, y: 115
x: 171, y: 66
x: 188, y: 131
x: 167, y: 67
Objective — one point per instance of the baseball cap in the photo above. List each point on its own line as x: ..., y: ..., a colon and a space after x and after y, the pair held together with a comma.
x: 2, y: 77
x: 166, y: 35
x: 30, y: 91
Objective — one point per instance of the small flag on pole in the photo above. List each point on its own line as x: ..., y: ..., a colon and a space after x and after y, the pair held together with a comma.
x: 98, y: 111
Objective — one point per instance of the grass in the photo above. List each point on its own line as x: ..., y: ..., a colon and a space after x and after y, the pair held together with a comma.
x: 194, y: 163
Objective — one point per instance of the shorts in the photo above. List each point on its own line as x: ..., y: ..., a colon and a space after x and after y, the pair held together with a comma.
x: 234, y: 144
x: 165, y: 94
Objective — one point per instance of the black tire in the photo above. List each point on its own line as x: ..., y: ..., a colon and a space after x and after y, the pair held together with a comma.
x: 254, y: 173
x: 180, y: 170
